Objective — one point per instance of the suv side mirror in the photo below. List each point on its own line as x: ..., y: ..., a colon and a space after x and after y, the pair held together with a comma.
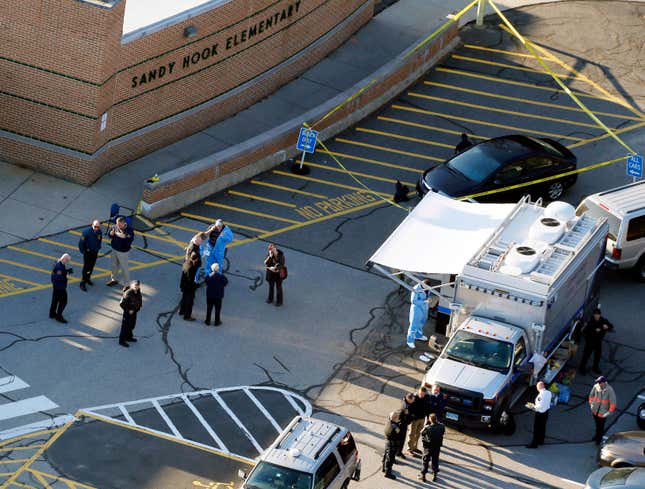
x: 242, y: 474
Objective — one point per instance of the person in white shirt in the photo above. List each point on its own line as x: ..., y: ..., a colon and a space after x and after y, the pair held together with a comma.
x: 541, y: 407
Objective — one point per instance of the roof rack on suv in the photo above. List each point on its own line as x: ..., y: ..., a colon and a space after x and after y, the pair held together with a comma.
x: 322, y: 447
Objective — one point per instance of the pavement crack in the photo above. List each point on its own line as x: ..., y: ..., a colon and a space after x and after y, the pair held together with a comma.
x: 164, y: 322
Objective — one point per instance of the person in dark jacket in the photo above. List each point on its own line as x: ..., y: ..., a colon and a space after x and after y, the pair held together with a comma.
x: 419, y: 410
x: 131, y: 303
x: 392, y: 437
x: 407, y: 408
x: 89, y: 245
x: 188, y: 286
x: 464, y: 144
x: 594, y: 332
x: 122, y: 236
x: 59, y: 288
x: 437, y: 402
x: 432, y: 439
x: 194, y: 245
x: 274, y: 263
x: 215, y: 283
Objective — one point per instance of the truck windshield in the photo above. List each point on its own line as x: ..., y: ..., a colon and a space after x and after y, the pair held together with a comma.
x: 480, y: 351
x: 270, y: 476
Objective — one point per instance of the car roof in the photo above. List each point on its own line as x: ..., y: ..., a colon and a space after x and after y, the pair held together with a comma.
x: 304, y: 444
x: 622, y: 200
x: 508, y: 148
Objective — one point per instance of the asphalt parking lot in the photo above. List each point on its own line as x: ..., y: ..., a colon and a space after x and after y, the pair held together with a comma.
x: 199, y: 439
x: 329, y: 226
x: 481, y: 90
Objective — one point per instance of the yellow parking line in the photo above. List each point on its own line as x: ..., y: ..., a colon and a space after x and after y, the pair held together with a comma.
x: 485, y: 123
x: 58, y: 243
x: 43, y: 255
x: 501, y: 51
x: 326, y: 182
x: 177, y: 226
x: 263, y: 199
x: 497, y: 79
x: 56, y: 478
x: 21, y: 280
x: 430, y: 128
x: 388, y: 150
x: 358, y: 174
x: 368, y: 160
x: 501, y: 111
x: 16, y: 475
x: 509, y: 66
x: 525, y: 101
x: 28, y: 267
x: 551, y: 57
x: 606, y: 135
x: 181, y: 244
x: 197, y: 217
x: 406, y: 138
x: 289, y: 189
x: 246, y: 211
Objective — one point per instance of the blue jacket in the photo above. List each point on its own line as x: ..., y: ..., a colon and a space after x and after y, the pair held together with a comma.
x: 59, y: 276
x: 225, y: 237
x: 123, y: 244
x: 90, y: 241
x: 215, y: 283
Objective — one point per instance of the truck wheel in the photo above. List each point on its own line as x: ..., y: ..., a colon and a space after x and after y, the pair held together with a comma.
x: 639, y: 269
x: 554, y: 190
x: 505, y: 424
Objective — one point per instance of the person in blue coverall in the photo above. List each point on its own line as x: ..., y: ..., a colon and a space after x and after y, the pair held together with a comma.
x: 418, y: 312
x: 214, y: 250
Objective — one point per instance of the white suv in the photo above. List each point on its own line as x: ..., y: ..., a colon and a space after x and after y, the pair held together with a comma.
x: 624, y: 208
x: 310, y: 454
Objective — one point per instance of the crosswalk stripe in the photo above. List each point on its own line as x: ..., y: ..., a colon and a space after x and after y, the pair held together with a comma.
x: 12, y: 383
x: 26, y: 406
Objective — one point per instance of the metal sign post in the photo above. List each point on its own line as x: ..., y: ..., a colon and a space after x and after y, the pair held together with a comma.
x: 307, y: 139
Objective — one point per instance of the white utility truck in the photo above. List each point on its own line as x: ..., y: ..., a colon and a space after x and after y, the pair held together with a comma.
x: 522, y: 293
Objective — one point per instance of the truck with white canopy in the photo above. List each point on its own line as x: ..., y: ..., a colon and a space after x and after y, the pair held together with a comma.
x: 527, y: 277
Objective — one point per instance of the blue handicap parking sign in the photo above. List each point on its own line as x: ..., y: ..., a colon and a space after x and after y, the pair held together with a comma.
x: 307, y: 140
x: 635, y: 166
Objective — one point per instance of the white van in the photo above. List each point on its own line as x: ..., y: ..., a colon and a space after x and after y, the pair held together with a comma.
x: 310, y: 454
x: 624, y: 208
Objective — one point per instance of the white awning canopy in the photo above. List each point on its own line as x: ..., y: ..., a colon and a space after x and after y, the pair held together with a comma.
x: 440, y: 235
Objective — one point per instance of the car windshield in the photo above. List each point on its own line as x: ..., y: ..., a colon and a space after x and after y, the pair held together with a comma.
x: 548, y: 146
x: 480, y: 351
x: 481, y: 161
x: 270, y: 476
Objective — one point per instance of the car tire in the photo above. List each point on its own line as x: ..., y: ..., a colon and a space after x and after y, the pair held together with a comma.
x: 639, y: 269
x: 640, y: 416
x: 554, y: 190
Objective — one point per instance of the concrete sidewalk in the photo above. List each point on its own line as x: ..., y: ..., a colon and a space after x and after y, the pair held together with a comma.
x: 33, y: 204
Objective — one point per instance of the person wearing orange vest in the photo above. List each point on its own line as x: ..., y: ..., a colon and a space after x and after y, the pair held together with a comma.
x: 602, y: 402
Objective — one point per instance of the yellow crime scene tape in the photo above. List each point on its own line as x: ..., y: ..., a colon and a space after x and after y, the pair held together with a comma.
x: 545, y: 179
x: 507, y: 26
x: 453, y: 18
x: 547, y: 69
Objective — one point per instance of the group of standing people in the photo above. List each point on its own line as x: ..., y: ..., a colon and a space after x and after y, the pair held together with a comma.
x: 423, y: 413
x: 121, y: 236
x: 204, y: 261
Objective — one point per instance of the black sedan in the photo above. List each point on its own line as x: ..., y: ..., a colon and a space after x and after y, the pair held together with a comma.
x: 502, y: 162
